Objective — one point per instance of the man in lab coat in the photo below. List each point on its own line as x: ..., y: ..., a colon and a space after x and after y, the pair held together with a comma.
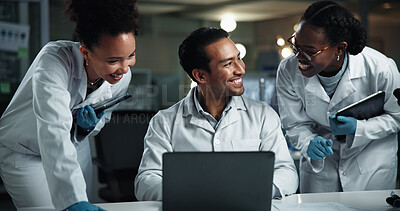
x: 214, y: 116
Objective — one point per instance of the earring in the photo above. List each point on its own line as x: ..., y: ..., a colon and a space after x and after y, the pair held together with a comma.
x: 338, y: 57
x: 87, y: 62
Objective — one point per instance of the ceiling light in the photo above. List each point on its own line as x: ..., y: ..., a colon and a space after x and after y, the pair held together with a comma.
x: 280, y: 41
x: 387, y: 6
x: 295, y: 26
x: 286, y: 52
x: 228, y: 23
x: 241, y: 49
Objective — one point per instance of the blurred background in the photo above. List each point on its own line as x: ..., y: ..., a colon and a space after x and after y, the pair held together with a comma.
x: 259, y: 27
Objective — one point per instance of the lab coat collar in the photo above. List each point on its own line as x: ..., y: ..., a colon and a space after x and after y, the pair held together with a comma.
x: 103, y: 93
x: 356, y: 66
x: 83, y: 80
x: 233, y: 114
x: 190, y: 111
x: 79, y: 72
x: 346, y: 88
x: 238, y: 102
x: 189, y: 107
x: 314, y: 90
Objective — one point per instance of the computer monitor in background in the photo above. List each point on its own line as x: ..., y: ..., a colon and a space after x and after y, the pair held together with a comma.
x: 261, y: 86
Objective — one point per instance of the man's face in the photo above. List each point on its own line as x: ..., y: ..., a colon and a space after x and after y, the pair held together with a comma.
x: 226, y: 69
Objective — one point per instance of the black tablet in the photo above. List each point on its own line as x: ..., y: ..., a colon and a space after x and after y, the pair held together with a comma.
x: 101, y: 106
x: 365, y: 108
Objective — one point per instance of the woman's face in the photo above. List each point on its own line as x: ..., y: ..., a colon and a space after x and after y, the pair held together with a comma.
x: 111, y: 58
x: 310, y: 40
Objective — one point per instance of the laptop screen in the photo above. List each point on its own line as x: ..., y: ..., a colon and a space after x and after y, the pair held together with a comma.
x: 217, y: 180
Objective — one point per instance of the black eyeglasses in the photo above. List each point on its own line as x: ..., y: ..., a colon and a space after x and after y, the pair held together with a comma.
x: 306, y: 54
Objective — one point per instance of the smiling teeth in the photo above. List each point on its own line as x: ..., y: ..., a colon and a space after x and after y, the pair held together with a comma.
x: 116, y: 76
x: 304, y: 66
x: 237, y: 80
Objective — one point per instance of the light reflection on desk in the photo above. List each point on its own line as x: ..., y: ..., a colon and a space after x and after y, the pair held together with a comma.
x: 364, y: 200
x: 133, y: 206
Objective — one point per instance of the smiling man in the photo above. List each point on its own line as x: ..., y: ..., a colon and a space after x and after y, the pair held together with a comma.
x: 214, y: 116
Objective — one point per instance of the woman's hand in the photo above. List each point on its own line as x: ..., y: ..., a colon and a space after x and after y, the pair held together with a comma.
x: 87, y: 119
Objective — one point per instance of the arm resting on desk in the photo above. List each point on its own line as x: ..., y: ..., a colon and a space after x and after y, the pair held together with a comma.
x: 148, y: 187
x: 285, y: 174
x: 148, y: 182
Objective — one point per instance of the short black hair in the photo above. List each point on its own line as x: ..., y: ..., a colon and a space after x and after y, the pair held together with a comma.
x: 338, y: 23
x: 96, y: 18
x: 191, y: 51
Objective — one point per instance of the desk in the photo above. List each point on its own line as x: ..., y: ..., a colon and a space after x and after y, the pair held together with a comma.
x: 133, y: 206
x: 363, y: 200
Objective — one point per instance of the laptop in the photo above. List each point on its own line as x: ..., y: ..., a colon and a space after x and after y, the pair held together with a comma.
x: 217, y: 181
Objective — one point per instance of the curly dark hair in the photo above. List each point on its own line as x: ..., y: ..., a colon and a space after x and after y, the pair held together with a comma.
x: 338, y: 23
x: 191, y: 51
x: 95, y: 18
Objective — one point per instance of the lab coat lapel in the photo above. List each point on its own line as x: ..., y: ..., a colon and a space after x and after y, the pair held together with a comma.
x: 82, y: 93
x: 345, y: 87
x: 201, y: 122
x: 314, y: 93
x: 80, y: 79
x: 103, y: 93
x: 233, y: 114
x: 191, y: 114
x: 79, y: 75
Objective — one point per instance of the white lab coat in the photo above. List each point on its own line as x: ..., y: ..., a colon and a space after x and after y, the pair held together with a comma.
x: 365, y: 161
x: 38, y: 119
x: 249, y: 125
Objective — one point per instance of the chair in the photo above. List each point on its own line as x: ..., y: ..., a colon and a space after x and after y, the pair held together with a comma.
x: 119, y: 147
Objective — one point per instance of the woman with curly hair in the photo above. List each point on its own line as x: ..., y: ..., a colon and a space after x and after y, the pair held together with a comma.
x: 332, y: 68
x: 45, y: 158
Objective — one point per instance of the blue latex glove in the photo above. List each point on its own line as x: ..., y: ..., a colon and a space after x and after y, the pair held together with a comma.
x: 342, y: 125
x: 87, y: 119
x: 319, y: 148
x: 84, y: 206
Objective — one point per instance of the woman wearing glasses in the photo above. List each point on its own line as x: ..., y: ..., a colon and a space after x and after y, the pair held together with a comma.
x: 332, y: 68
